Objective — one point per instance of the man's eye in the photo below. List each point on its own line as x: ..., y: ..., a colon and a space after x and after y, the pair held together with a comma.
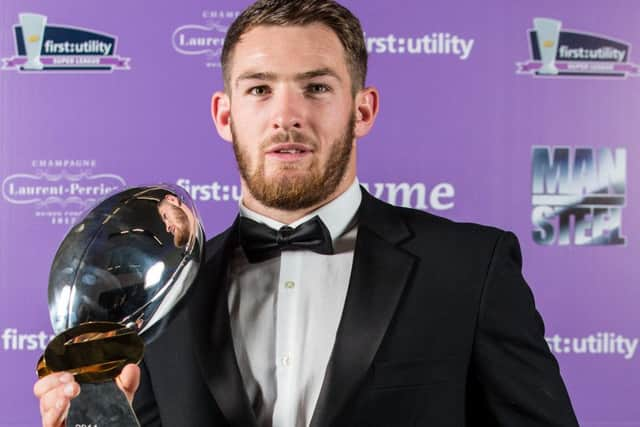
x: 318, y: 88
x: 259, y: 90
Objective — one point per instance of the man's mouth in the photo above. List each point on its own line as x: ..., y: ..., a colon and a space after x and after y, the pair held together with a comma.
x: 289, y: 151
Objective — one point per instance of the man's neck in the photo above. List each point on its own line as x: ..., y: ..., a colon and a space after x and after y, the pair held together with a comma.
x: 286, y: 216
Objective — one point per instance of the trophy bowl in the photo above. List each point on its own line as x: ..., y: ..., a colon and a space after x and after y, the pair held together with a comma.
x: 116, y: 276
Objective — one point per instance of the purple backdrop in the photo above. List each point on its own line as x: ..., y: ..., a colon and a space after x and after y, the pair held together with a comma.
x: 467, y: 130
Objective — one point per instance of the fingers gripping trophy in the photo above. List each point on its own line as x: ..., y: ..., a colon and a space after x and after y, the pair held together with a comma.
x: 115, y: 277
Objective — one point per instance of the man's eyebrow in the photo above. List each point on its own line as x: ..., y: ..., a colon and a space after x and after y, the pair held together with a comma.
x: 321, y: 72
x: 253, y: 75
x: 268, y: 76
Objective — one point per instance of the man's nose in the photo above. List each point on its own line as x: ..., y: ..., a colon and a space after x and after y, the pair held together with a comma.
x: 289, y: 111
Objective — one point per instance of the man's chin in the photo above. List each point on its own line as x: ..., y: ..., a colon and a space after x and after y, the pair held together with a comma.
x: 285, y: 177
x: 301, y: 180
x: 287, y: 168
x: 180, y: 241
x: 286, y: 191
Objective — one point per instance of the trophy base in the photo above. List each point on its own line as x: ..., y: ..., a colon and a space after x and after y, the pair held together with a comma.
x: 548, y: 69
x: 35, y: 65
x: 103, y: 405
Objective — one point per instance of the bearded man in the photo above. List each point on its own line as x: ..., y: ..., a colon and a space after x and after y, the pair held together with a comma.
x: 177, y: 218
x: 322, y: 306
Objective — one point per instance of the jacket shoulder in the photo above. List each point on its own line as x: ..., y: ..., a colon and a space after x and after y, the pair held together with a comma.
x: 220, y: 242
x: 426, y: 224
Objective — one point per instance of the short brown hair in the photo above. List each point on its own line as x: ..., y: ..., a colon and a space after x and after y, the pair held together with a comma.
x: 302, y: 12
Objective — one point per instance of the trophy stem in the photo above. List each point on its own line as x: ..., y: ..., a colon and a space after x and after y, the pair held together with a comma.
x: 101, y: 404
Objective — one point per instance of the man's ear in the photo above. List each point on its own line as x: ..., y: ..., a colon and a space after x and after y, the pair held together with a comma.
x: 221, y: 114
x: 173, y: 199
x: 366, y: 105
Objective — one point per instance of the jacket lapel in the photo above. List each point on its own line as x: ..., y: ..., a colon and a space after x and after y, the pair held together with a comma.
x: 379, y: 274
x: 381, y: 269
x: 212, y: 332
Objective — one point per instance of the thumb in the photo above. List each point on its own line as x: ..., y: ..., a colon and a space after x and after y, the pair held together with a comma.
x: 129, y: 380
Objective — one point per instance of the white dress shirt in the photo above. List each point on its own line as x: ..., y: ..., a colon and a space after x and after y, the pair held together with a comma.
x: 285, y: 312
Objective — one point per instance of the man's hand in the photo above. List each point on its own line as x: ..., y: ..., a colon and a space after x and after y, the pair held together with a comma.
x: 55, y: 391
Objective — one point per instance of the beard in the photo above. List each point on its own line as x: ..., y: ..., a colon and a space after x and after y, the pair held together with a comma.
x: 181, y: 238
x: 182, y: 230
x: 302, y: 191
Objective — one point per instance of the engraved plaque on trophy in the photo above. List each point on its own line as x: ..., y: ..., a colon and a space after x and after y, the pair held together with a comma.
x: 115, y: 277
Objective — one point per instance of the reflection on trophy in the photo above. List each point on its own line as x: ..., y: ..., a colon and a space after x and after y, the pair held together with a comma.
x: 548, y: 32
x: 177, y: 218
x: 114, y: 279
x: 33, y: 33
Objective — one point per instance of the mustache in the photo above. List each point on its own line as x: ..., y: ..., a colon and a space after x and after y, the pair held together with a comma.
x: 290, y: 136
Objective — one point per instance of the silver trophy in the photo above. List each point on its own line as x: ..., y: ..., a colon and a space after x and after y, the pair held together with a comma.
x: 116, y: 276
x: 33, y: 26
x: 548, y: 32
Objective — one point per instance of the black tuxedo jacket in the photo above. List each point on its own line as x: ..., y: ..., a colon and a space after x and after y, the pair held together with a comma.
x: 439, y: 329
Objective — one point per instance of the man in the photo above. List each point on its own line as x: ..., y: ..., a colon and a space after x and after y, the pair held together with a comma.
x: 402, y: 318
x: 177, y: 218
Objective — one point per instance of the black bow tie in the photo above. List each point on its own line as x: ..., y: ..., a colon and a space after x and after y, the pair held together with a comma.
x: 261, y: 242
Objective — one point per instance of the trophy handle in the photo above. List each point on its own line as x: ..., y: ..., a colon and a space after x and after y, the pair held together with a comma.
x: 101, y: 405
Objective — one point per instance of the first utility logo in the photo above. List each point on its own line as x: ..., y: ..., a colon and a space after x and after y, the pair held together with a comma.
x: 575, y: 53
x: 43, y: 47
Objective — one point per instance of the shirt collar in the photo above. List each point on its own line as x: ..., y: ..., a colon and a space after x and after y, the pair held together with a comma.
x: 336, y: 215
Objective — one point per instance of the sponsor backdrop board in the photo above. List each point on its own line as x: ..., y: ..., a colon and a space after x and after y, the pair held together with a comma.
x: 522, y: 115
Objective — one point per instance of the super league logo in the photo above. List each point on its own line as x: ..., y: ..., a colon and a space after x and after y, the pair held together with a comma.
x: 42, y: 47
x: 556, y: 53
x: 578, y: 195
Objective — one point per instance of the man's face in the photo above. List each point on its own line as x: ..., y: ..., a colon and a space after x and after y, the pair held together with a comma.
x: 175, y: 221
x: 292, y: 114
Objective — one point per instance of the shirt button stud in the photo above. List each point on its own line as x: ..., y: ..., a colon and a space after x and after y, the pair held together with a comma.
x: 289, y: 284
x: 286, y: 360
